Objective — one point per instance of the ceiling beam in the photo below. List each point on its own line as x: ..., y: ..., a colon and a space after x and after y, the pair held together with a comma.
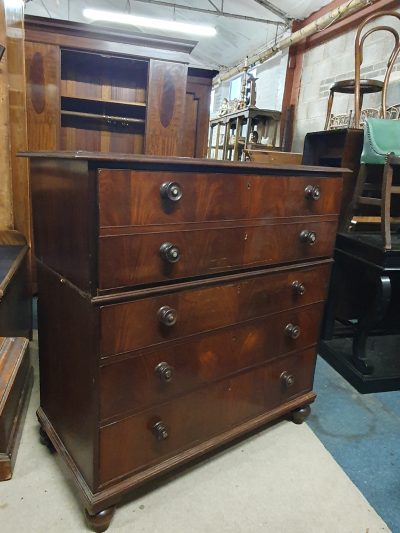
x: 212, y: 12
x: 271, y: 7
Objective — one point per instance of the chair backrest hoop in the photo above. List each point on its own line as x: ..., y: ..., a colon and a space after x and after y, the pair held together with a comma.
x: 359, y: 43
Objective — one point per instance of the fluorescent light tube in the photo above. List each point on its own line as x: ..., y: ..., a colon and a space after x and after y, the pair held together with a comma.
x: 158, y: 24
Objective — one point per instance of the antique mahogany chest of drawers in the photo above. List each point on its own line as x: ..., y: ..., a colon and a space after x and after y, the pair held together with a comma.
x: 179, y: 307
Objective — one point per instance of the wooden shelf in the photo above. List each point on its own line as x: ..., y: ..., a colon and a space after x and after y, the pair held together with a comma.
x: 95, y: 116
x: 104, y: 100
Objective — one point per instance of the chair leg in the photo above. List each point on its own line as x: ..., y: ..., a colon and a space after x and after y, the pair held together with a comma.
x: 358, y: 190
x: 385, y: 206
x: 329, y: 110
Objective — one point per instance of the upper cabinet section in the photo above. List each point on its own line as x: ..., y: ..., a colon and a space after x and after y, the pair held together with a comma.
x: 82, y: 97
x: 103, y: 102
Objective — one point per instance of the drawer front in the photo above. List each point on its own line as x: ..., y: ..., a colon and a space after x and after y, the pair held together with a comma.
x: 137, y: 383
x: 208, y: 308
x: 128, y: 260
x: 198, y: 416
x: 131, y: 198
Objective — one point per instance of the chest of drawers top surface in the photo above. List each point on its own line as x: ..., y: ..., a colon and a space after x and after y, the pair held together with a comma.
x: 106, y: 224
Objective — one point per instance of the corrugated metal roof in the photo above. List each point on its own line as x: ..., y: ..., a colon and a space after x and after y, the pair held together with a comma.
x: 235, y: 38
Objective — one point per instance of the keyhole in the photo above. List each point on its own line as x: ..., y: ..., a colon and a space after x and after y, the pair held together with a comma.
x: 249, y: 186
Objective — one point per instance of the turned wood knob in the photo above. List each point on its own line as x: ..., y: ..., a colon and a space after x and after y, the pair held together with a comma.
x: 160, y: 431
x: 298, y: 287
x: 167, y: 315
x: 170, y: 190
x: 292, y: 331
x: 287, y: 379
x: 169, y: 252
x: 312, y: 192
x: 164, y: 371
x: 308, y: 237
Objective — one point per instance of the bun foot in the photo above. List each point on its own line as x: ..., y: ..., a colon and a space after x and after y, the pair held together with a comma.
x: 44, y: 439
x: 299, y: 415
x: 99, y: 522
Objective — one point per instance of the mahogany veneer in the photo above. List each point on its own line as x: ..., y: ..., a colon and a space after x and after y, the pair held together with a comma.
x: 149, y: 359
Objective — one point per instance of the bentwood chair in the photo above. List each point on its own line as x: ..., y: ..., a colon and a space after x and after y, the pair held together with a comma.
x: 357, y: 86
x: 381, y: 142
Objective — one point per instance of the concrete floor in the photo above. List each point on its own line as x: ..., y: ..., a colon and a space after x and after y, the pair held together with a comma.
x: 280, y: 480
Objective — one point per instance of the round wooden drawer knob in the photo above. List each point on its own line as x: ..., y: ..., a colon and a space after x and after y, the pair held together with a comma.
x: 169, y: 252
x: 287, y: 379
x: 292, y: 331
x: 167, y: 315
x: 308, y: 237
x: 172, y: 191
x: 312, y: 192
x: 164, y: 371
x: 160, y: 431
x: 299, y: 288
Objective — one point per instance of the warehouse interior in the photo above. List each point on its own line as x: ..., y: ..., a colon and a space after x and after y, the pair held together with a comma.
x: 200, y: 266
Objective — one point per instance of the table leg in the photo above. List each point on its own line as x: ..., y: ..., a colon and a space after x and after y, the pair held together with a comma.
x: 373, y: 315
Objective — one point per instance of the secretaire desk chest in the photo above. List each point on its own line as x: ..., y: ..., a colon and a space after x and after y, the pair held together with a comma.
x: 179, y: 307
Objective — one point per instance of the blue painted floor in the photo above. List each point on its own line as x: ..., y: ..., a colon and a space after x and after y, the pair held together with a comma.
x: 362, y: 432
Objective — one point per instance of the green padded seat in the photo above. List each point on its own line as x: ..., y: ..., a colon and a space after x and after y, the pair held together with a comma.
x: 381, y: 137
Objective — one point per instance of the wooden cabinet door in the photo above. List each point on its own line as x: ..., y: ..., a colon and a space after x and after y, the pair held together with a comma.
x: 197, y: 115
x: 43, y: 95
x: 165, y: 108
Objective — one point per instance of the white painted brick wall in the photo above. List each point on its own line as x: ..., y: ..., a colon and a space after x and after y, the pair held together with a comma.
x: 334, y: 61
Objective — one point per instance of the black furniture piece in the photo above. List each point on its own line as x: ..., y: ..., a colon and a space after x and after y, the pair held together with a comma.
x: 365, y: 299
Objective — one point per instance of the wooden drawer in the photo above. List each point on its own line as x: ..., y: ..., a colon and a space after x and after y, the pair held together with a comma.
x: 198, y: 416
x: 131, y: 198
x: 138, y: 382
x: 128, y: 260
x: 203, y: 309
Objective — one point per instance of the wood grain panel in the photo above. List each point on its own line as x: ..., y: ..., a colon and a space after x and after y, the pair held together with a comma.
x: 208, y: 308
x: 43, y: 95
x: 197, y: 115
x: 208, y: 251
x: 203, y: 360
x: 68, y: 371
x: 133, y: 197
x: 63, y: 202
x: 6, y: 214
x: 165, y: 108
x: 18, y: 120
x: 200, y: 415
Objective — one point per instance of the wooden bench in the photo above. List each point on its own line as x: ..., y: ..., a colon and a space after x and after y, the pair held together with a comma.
x: 16, y: 374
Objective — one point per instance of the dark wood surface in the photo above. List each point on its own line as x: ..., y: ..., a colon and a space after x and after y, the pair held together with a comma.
x: 43, y: 95
x: 16, y: 379
x: 233, y: 197
x: 202, y: 414
x: 205, y: 309
x: 63, y: 222
x: 208, y: 251
x: 242, y: 350
x: 172, y: 163
x: 165, y: 108
x: 337, y: 148
x: 67, y: 328
x: 15, y: 292
x: 200, y: 360
x: 361, y: 334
